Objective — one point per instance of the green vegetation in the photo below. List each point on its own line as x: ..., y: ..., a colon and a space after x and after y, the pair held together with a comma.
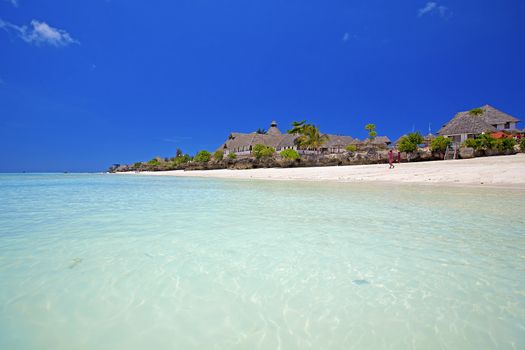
x: 481, y: 143
x: 290, y: 154
x: 202, y: 157
x: 154, y: 161
x: 472, y: 143
x: 261, y: 131
x: 261, y: 151
x: 410, y: 142
x: 505, y: 144
x: 137, y: 165
x: 181, y: 159
x: 297, y: 127
x: 522, y: 145
x: 351, y: 148
x: 440, y: 144
x: 486, y: 142
x: 232, y: 155
x: 218, y: 155
x: 371, y: 128
x: 476, y: 111
x: 309, y: 135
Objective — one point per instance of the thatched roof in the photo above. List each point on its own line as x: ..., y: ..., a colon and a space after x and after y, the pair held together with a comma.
x: 378, y: 140
x: 338, y: 141
x: 399, y: 139
x: 273, y: 129
x: 274, y: 138
x: 239, y: 141
x: 466, y: 123
x: 381, y: 140
x: 469, y: 123
x: 495, y: 116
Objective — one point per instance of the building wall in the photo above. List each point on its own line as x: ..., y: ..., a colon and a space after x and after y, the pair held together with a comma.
x: 510, y: 126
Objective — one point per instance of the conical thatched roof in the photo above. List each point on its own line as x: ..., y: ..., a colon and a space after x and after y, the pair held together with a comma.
x: 470, y: 123
x: 273, y: 129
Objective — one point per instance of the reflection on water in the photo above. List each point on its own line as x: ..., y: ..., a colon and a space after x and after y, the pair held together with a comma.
x: 107, y: 262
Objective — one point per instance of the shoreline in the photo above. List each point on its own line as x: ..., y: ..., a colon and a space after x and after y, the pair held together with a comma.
x: 496, y: 171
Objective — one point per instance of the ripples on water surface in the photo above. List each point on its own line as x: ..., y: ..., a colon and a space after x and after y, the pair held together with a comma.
x: 126, y: 262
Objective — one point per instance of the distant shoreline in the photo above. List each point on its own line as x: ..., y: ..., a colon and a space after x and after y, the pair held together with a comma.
x: 497, y: 171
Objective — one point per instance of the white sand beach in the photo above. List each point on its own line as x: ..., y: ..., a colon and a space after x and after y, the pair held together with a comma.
x: 501, y: 171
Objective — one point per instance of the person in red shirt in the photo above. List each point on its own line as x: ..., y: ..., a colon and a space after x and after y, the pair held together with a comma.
x: 391, y: 159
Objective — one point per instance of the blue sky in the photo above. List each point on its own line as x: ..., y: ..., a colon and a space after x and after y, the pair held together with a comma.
x: 84, y: 84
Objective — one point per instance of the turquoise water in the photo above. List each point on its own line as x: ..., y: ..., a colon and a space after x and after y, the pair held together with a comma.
x: 129, y: 262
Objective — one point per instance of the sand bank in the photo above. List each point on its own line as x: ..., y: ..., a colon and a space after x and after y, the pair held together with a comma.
x: 505, y: 171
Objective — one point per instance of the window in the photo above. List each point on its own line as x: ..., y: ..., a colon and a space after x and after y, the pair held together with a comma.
x: 507, y: 125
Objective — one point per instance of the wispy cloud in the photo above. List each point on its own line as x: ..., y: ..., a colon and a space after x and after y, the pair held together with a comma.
x: 347, y: 37
x: 40, y: 33
x: 13, y: 2
x: 432, y: 7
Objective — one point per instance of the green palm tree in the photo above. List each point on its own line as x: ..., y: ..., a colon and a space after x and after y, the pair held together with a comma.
x: 371, y: 128
x: 311, y: 137
x: 297, y: 127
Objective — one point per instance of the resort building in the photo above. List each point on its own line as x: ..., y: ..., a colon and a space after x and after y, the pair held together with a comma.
x: 242, y: 143
x: 470, y: 124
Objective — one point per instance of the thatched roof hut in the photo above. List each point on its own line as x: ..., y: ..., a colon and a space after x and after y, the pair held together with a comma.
x: 380, y: 141
x: 477, y: 121
x: 242, y: 143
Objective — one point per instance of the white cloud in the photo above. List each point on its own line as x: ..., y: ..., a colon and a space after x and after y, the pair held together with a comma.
x: 432, y: 7
x: 346, y: 36
x: 40, y: 33
x: 13, y: 2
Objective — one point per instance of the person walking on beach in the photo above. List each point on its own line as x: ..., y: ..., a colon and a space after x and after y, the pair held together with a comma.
x: 398, y: 157
x: 391, y: 159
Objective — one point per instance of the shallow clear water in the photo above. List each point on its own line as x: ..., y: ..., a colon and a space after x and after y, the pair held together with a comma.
x: 127, y: 262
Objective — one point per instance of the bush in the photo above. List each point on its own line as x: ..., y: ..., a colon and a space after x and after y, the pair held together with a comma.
x: 260, y: 151
x: 440, y: 144
x: 202, y: 157
x: 486, y: 141
x: 410, y: 142
x: 504, y: 144
x: 290, y: 154
x: 351, y: 148
x: 232, y: 155
x: 472, y: 143
x: 218, y: 155
x: 522, y: 144
x: 476, y: 111
x: 181, y: 159
x: 137, y: 165
x: 154, y: 161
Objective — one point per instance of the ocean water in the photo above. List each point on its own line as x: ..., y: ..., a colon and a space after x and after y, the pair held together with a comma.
x: 129, y: 262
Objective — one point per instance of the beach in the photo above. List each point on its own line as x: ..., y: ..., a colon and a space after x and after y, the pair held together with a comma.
x: 498, y: 171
